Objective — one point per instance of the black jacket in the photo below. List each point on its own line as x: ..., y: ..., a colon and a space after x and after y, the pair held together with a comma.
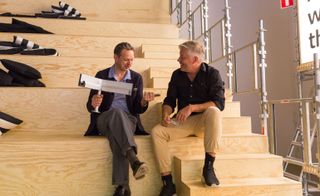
x: 133, y: 102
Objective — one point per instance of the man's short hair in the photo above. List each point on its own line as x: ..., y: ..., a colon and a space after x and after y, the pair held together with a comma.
x: 121, y: 46
x: 193, y: 47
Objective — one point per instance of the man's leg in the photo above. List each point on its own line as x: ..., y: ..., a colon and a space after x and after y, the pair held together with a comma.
x: 211, y: 122
x: 119, y: 127
x: 160, y: 137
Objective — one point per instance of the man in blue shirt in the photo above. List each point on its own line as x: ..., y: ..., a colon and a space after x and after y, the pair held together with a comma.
x: 119, y: 118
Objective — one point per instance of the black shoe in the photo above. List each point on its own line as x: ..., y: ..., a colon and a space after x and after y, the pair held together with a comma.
x: 209, y: 177
x: 139, y: 169
x: 121, y: 191
x: 168, y: 190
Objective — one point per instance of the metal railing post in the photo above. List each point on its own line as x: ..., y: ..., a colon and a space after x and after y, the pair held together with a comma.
x: 317, y: 106
x: 227, y: 36
x: 263, y: 89
x: 306, y: 134
x: 190, y: 23
x: 205, y: 29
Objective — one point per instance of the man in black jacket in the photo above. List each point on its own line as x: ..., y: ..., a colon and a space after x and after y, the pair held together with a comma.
x: 199, y: 90
x: 118, y: 119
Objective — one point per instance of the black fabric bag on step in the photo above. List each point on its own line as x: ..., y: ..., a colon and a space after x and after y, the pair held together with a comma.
x: 8, y: 122
x: 5, y: 78
x: 21, y: 27
x: 26, y: 81
x: 22, y: 69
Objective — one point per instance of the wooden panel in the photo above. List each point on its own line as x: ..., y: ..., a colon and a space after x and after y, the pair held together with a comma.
x: 99, y: 28
x: 229, y: 144
x: 85, y: 46
x: 65, y: 71
x: 67, y: 165
x: 64, y: 110
x: 159, y: 82
x: 237, y: 124
x: 232, y: 109
x: 161, y: 55
x: 111, y: 10
x: 248, y: 187
x: 231, y: 166
x: 160, y: 47
x: 155, y: 72
x: 52, y: 110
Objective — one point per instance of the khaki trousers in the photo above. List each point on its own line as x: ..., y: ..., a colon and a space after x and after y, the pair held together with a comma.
x: 207, y: 125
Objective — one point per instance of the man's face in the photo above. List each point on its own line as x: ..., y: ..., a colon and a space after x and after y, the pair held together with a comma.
x: 125, y: 60
x: 186, y: 60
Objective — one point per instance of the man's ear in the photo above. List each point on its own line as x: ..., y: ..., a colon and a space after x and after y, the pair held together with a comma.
x: 116, y: 57
x: 195, y: 58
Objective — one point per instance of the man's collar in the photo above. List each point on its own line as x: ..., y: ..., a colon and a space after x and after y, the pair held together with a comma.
x: 112, y: 73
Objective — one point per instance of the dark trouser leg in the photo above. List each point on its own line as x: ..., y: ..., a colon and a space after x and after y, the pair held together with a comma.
x: 119, y: 128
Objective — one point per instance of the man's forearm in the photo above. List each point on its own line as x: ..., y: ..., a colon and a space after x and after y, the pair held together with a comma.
x: 202, y: 107
x: 166, y: 110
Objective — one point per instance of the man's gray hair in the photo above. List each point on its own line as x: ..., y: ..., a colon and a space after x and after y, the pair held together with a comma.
x: 193, y: 47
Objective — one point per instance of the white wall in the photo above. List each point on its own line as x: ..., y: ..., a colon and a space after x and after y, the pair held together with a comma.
x: 280, y: 46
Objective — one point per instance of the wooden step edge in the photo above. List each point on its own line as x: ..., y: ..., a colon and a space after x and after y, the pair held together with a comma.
x: 245, y: 156
x: 240, y: 182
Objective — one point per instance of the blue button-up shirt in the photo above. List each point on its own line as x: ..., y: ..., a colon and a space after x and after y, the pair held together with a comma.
x: 119, y: 100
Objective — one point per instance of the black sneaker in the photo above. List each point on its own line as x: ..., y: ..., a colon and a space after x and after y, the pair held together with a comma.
x: 209, y: 177
x: 139, y: 169
x: 168, y: 190
x: 121, y: 191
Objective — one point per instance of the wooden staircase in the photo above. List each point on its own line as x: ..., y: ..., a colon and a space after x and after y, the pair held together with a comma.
x: 47, y: 154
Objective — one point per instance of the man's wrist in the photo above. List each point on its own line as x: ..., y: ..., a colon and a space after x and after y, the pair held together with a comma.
x: 191, y: 107
x: 144, y: 103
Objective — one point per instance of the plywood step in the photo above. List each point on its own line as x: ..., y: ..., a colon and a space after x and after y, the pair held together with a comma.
x: 101, y: 28
x: 230, y: 166
x: 160, y: 72
x: 161, y: 55
x: 87, y: 46
x: 159, y: 82
x: 65, y: 71
x: 230, y: 144
x: 248, y: 186
x: 163, y: 81
x: 52, y: 109
x: 57, y: 109
x: 67, y: 165
x: 160, y: 47
x: 119, y: 10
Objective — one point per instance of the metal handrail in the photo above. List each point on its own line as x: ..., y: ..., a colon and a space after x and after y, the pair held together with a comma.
x: 230, y: 56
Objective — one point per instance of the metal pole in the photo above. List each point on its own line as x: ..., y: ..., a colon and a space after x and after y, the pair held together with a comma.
x: 317, y: 107
x: 306, y: 134
x: 205, y: 29
x: 263, y: 66
x: 190, y: 27
x: 179, y: 12
x: 228, y: 46
x: 255, y: 66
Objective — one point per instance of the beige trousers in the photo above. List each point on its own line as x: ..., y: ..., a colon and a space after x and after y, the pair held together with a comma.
x: 207, y: 125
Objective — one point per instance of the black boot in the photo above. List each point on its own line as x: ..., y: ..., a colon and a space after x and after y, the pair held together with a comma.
x: 139, y: 168
x: 122, y: 190
x: 168, y: 189
x: 208, y: 174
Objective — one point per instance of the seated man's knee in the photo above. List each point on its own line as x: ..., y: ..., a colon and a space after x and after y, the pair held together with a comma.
x: 157, y: 131
x: 213, y: 111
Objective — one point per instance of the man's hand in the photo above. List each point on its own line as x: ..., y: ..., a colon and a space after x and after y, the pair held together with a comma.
x: 184, y: 113
x: 147, y: 97
x: 166, y: 120
x: 96, y: 100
